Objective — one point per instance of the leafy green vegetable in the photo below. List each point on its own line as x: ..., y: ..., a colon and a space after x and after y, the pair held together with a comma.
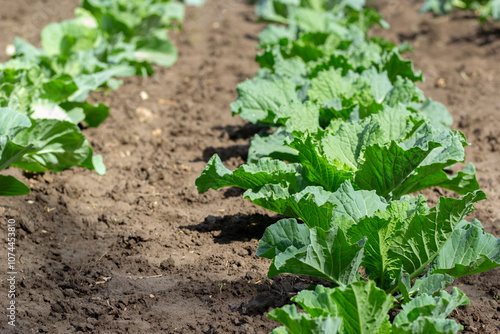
x: 266, y: 171
x: 11, y: 123
x: 426, y: 314
x: 257, y: 98
x: 359, y: 307
x: 318, y: 14
x: 55, y: 145
x: 351, y: 135
x: 427, y: 285
x: 486, y: 8
x: 393, y: 157
x: 70, y: 36
x: 310, y: 252
x: 273, y: 146
x: 469, y: 251
x: 45, y: 89
x: 406, y: 236
x: 303, y: 323
x: 143, y: 25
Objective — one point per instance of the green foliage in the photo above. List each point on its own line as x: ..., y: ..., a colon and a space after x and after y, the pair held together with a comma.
x: 361, y: 307
x: 390, y: 152
x: 486, y: 8
x: 350, y: 138
x: 43, y: 91
x: 403, y: 238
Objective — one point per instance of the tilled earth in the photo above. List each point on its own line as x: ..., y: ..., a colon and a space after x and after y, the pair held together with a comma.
x: 140, y: 251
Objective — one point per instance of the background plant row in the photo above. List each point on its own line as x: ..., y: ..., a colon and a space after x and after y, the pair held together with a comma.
x: 485, y: 8
x: 43, y: 92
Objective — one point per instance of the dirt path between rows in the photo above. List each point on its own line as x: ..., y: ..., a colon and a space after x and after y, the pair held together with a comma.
x: 140, y: 251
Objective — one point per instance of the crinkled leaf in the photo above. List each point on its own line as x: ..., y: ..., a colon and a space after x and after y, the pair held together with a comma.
x: 317, y: 302
x: 379, y: 82
x: 363, y: 307
x: 396, y: 122
x: 379, y: 233
x: 425, y: 235
x: 429, y: 325
x: 265, y: 171
x: 272, y: 146
x: 468, y: 251
x: 430, y: 172
x: 281, y: 235
x: 280, y: 330
x: 432, y: 308
x: 337, y: 109
x: 278, y: 198
x: 345, y: 203
x: 433, y: 176
x: 27, y: 51
x: 12, y: 152
x: 365, y: 89
x: 259, y: 98
x: 386, y: 168
x: 298, y: 117
x: 59, y: 88
x: 360, y: 306
x: 312, y: 252
x: 295, y: 322
x: 364, y: 54
x: 429, y: 284
x: 274, y: 34
x: 55, y: 145
x: 328, y: 85
x: 292, y: 68
x: 348, y: 143
x: 11, y: 123
x: 134, y: 18
x: 317, y: 207
x: 273, y: 10
x: 403, y: 91
x: 317, y: 167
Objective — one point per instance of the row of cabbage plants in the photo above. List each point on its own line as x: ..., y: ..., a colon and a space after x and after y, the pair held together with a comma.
x: 348, y: 137
x: 486, y: 9
x: 43, y: 92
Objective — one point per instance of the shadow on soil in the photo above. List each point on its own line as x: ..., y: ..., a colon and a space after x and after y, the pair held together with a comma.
x: 271, y: 292
x: 246, y: 131
x: 481, y: 36
x: 239, y: 227
x: 276, y: 292
x: 233, y: 133
x: 226, y: 153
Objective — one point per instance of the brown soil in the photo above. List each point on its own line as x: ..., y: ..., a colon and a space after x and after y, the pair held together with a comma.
x: 140, y: 251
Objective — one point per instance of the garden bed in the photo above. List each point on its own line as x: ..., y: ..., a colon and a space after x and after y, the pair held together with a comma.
x: 139, y: 250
